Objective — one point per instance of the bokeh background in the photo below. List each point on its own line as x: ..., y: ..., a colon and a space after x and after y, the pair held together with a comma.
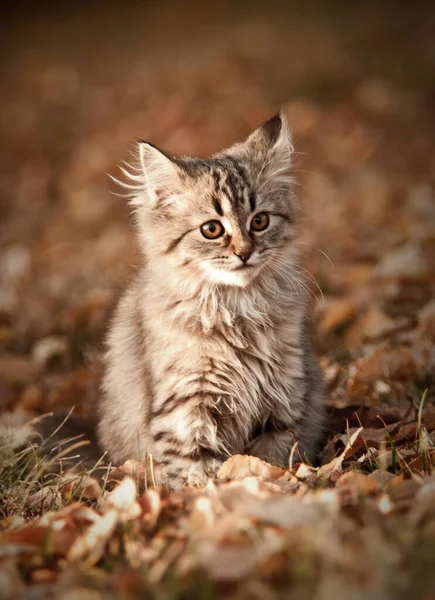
x: 80, y: 82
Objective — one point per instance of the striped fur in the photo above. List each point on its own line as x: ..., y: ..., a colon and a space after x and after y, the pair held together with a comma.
x: 207, y: 355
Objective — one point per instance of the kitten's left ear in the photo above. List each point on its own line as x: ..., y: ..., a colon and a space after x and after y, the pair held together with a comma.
x: 160, y: 174
x: 269, y: 148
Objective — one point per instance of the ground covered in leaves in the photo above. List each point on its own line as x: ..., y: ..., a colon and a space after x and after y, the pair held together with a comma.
x: 357, y: 86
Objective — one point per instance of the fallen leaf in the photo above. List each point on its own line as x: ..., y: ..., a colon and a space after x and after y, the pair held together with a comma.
x: 382, y: 477
x: 337, y: 312
x: 422, y: 463
x: 48, y: 497
x: 403, y: 490
x: 357, y: 482
x: 46, y: 349
x: 123, y: 501
x: 83, y: 487
x: 43, y: 576
x: 151, y: 505
x: 388, y: 364
x: 58, y: 540
x: 333, y: 469
x: 426, y: 324
x: 90, y: 546
x: 75, y: 515
x: 31, y: 398
x: 146, y: 473
x: 423, y: 505
x: 374, y: 324
x: 232, y: 562
x: 331, y: 373
x: 12, y: 523
x: 305, y: 473
x: 16, y: 369
x: 11, y: 584
x: 80, y: 593
x: 406, y: 261
x: 241, y: 465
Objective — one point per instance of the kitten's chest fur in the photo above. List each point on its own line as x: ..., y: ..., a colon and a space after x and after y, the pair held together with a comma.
x: 239, y: 360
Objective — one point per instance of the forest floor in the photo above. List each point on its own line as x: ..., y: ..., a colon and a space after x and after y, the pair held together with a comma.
x: 357, y: 86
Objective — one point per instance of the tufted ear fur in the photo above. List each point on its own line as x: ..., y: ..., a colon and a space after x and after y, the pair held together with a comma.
x: 268, y: 149
x: 160, y: 174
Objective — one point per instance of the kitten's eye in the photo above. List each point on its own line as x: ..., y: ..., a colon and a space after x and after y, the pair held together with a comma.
x: 212, y: 230
x: 260, y: 222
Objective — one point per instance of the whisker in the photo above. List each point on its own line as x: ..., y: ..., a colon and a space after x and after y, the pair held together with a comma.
x: 311, y: 278
x: 326, y: 256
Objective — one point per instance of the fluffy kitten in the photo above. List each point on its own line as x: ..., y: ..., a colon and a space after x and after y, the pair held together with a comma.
x: 208, y: 352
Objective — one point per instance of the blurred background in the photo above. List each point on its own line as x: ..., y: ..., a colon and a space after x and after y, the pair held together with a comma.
x: 80, y: 82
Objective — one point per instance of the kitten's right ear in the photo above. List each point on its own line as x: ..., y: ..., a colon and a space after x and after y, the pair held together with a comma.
x: 161, y: 174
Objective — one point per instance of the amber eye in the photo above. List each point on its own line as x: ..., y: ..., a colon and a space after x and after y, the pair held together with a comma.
x: 212, y: 230
x: 260, y: 222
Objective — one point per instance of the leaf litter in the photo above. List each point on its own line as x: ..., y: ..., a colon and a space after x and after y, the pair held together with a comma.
x: 360, y: 525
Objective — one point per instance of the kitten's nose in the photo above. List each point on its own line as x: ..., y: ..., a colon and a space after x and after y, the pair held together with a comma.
x: 244, y: 255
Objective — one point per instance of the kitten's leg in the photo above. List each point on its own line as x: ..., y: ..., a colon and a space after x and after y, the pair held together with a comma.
x: 276, y: 443
x: 184, y: 442
x: 182, y: 463
x: 275, y: 447
x: 302, y: 420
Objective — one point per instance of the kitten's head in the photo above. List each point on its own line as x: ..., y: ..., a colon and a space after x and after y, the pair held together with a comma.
x: 223, y: 220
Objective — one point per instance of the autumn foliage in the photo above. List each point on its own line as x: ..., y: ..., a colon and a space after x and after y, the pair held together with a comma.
x: 361, y: 525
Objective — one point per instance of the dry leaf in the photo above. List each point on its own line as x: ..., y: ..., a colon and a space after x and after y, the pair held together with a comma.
x: 406, y: 261
x: 81, y: 487
x: 12, y: 523
x: 374, y: 324
x: 233, y: 561
x: 333, y: 469
x: 123, y: 501
x: 283, y: 511
x: 89, y: 547
x: 358, y: 482
x: 48, y: 497
x: 305, y: 473
x: 75, y: 515
x: 151, y: 504
x: 43, y: 576
x: 16, y: 370
x: 146, y: 473
x: 426, y: 326
x: 241, y: 465
x: 11, y: 584
x: 337, y: 312
x: 36, y: 537
x: 387, y: 364
x: 80, y: 593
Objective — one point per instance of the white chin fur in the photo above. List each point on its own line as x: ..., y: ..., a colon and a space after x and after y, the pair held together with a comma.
x: 237, y: 277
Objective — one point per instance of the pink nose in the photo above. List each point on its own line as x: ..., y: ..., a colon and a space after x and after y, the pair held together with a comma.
x: 244, y: 255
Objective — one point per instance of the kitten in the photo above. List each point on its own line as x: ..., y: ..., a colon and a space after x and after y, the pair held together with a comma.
x: 209, y: 353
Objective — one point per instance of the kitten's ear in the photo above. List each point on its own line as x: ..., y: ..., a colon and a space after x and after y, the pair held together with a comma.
x: 160, y: 173
x: 269, y: 148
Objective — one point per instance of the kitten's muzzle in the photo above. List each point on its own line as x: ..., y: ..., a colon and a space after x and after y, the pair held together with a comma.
x: 244, y: 255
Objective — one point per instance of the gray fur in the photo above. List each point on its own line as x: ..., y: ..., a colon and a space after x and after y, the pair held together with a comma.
x: 207, y: 356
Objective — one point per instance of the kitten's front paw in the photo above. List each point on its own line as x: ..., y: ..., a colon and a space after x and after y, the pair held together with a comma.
x: 195, y: 474
x: 199, y: 473
x: 274, y: 447
x: 260, y: 447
